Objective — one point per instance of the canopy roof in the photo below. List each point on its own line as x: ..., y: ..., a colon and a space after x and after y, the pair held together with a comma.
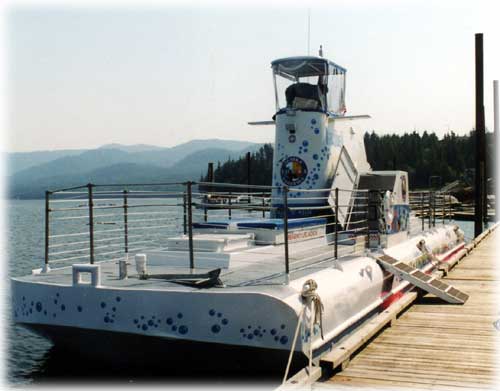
x: 304, y: 66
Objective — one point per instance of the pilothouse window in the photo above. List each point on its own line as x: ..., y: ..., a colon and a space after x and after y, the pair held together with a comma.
x: 309, y: 83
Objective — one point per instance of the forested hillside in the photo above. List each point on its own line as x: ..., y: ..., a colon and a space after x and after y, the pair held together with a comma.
x: 422, y: 155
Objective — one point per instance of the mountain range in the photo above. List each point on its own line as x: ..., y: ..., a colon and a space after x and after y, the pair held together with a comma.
x: 31, y: 173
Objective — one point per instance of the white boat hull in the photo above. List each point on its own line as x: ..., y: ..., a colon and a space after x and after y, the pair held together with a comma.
x: 256, y: 317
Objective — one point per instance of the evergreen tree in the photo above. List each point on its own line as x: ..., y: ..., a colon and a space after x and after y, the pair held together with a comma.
x: 422, y: 156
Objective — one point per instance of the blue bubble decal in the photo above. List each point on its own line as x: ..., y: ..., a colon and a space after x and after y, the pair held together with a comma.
x: 215, y: 329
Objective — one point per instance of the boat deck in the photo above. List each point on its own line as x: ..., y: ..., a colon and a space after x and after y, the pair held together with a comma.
x: 258, y: 265
x: 435, y: 345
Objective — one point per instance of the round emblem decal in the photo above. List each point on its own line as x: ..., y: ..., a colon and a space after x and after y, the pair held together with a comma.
x: 293, y: 171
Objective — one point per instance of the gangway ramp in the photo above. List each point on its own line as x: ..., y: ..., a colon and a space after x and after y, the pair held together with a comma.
x: 428, y: 283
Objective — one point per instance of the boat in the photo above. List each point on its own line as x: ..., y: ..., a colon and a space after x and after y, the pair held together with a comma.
x: 337, y: 244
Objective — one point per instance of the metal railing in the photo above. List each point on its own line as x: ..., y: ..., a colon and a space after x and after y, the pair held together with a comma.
x: 94, y: 223
x: 431, y: 205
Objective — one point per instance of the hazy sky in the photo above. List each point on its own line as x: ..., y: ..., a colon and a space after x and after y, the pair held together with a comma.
x: 164, y: 74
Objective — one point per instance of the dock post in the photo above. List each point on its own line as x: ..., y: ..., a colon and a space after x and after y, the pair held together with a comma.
x: 496, y: 135
x: 91, y: 221
x: 47, y: 228
x: 190, y: 222
x: 125, y: 218
x: 285, y: 227
x: 229, y: 209
x: 480, y: 138
x: 335, y: 246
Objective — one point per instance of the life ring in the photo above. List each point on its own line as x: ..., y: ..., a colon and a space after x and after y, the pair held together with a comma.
x: 388, y: 210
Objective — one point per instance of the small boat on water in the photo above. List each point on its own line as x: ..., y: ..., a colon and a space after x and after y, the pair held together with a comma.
x: 334, y: 244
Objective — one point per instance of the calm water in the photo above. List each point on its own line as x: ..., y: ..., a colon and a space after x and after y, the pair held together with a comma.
x: 31, y: 358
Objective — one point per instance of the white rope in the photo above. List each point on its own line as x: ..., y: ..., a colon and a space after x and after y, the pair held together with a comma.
x: 293, y: 344
x: 311, y: 299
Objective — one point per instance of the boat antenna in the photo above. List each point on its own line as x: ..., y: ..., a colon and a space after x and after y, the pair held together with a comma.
x: 308, y: 30
x: 321, y: 50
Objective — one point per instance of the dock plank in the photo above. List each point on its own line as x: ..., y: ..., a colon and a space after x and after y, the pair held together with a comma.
x: 435, y: 345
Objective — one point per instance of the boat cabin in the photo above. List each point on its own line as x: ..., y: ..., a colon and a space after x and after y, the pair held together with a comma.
x: 309, y: 83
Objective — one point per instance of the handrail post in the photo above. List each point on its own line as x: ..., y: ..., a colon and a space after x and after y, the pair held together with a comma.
x: 429, y: 208
x: 47, y: 228
x: 91, y: 222
x: 184, y: 212
x: 422, y: 215
x: 449, y: 208
x: 336, y: 222
x: 285, y: 227
x: 263, y: 206
x: 443, y: 208
x: 367, y: 217
x: 125, y: 219
x: 229, y: 211
x: 434, y: 209
x: 190, y: 223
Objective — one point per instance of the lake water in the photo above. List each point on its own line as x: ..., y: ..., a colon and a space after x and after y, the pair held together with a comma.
x: 32, y: 358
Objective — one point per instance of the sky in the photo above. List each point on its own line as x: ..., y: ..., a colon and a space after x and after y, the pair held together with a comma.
x: 80, y: 76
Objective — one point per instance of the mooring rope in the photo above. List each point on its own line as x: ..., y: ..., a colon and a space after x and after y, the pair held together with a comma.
x: 312, y: 299
x: 310, y: 295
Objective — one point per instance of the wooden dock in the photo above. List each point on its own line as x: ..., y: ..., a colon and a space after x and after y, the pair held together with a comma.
x: 435, y: 345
